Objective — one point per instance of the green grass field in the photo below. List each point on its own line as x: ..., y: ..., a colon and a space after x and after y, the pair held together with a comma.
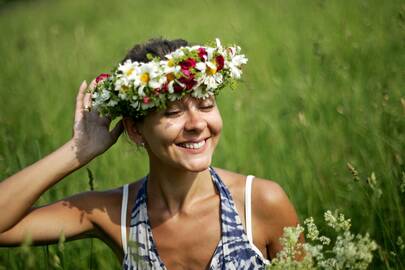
x: 324, y: 87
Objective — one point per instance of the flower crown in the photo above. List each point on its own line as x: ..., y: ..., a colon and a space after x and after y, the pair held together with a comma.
x: 135, y: 88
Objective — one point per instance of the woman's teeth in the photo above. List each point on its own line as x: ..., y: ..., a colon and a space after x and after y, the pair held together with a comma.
x: 193, y: 145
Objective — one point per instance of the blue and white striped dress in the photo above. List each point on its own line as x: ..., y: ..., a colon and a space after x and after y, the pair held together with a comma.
x: 235, y: 249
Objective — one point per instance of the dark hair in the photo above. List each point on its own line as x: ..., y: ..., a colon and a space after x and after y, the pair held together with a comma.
x: 155, y: 46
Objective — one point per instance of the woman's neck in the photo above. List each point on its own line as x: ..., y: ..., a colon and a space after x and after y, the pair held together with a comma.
x: 175, y: 190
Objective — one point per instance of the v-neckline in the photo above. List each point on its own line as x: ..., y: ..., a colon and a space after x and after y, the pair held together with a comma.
x: 150, y: 226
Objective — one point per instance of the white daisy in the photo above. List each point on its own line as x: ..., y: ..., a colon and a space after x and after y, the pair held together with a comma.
x: 128, y: 70
x: 236, y: 62
x: 213, y: 81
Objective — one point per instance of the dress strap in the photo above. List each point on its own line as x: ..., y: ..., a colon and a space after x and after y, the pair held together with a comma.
x: 248, y: 215
x: 124, y: 217
x: 248, y: 207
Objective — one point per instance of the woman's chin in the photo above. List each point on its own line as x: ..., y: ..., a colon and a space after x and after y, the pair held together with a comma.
x: 196, y: 165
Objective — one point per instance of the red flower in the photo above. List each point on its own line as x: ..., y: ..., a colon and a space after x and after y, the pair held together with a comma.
x: 102, y: 77
x: 187, y: 82
x: 164, y: 88
x: 201, y: 53
x: 187, y: 64
x: 220, y: 62
x: 177, y: 87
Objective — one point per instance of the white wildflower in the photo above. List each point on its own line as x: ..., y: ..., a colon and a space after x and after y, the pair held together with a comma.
x: 149, y: 75
x: 213, y: 81
x: 236, y: 61
x: 127, y: 72
x: 348, y: 251
x: 324, y: 240
x: 313, y: 232
x: 337, y: 221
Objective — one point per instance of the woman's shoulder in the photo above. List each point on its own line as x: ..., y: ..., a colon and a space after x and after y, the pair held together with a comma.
x: 269, y: 200
x: 262, y: 188
x: 109, y: 202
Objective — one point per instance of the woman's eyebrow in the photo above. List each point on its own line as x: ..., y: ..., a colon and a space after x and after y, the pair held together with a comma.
x: 207, y: 100
x: 172, y: 106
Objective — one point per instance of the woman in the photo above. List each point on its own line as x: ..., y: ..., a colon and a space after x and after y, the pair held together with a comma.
x: 200, y: 217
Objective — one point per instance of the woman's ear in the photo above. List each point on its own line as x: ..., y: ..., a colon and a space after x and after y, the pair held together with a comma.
x: 132, y: 130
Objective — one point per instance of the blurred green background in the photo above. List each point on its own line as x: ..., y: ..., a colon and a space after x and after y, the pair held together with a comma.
x: 324, y: 87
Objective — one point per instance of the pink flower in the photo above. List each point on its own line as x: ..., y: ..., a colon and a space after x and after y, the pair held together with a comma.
x: 186, y: 72
x: 102, y: 77
x: 146, y: 100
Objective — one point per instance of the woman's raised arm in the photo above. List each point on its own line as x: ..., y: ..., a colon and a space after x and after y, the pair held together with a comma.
x: 91, y: 137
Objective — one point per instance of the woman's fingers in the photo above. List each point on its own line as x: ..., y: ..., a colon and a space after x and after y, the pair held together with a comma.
x: 80, y: 100
x: 93, y: 85
x: 80, y: 95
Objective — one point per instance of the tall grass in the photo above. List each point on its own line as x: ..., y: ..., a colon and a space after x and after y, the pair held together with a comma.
x: 321, y: 110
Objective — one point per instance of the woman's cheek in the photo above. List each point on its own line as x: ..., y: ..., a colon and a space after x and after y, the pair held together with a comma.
x: 216, y: 126
x: 169, y: 131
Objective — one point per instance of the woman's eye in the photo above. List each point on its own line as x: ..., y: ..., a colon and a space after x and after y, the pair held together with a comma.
x: 172, y: 113
x: 207, y: 107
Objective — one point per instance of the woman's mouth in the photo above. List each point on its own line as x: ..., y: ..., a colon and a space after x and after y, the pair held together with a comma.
x: 194, y: 147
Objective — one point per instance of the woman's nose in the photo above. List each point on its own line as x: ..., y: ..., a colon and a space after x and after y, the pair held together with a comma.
x: 195, y: 121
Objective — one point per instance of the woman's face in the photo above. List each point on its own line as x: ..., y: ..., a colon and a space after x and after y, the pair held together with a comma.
x: 184, y: 135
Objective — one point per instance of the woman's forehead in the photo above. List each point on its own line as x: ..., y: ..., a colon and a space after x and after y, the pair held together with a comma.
x: 188, y: 99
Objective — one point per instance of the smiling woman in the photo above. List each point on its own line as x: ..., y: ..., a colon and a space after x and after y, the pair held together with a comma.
x: 183, y: 136
x: 183, y: 214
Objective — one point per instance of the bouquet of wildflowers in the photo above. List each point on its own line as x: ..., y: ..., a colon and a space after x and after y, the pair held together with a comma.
x: 349, y: 251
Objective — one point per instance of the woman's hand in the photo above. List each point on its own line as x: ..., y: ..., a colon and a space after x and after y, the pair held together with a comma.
x: 91, y: 132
